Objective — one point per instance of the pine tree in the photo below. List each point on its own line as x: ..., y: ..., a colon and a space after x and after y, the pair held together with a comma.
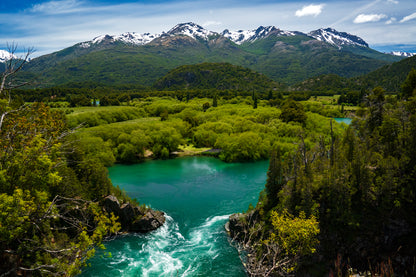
x: 376, y: 101
x: 274, y: 178
x: 409, y: 85
x: 215, y: 101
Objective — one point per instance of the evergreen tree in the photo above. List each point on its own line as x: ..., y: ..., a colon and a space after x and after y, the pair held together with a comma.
x: 375, y: 104
x: 274, y: 178
x: 409, y: 85
x: 215, y: 100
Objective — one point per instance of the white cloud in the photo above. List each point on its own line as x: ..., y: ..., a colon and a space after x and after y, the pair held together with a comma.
x: 364, y: 18
x: 56, y: 7
x: 409, y: 17
x: 48, y: 30
x: 393, y: 1
x: 391, y: 20
x: 312, y: 9
x: 349, y: 14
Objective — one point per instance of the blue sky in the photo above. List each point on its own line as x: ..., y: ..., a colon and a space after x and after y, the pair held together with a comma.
x: 50, y: 26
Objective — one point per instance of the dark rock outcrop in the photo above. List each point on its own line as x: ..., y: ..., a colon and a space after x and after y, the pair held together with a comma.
x: 133, y: 218
x: 148, y: 222
x: 239, y: 224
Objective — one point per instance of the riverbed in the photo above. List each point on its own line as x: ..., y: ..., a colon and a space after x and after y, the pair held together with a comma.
x: 197, y: 194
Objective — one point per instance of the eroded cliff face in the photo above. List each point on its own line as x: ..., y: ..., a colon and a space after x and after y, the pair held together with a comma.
x: 133, y: 218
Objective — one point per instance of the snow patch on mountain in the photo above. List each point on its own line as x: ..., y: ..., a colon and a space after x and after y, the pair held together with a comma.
x: 242, y: 36
x: 238, y: 36
x: 192, y: 30
x: 5, y: 56
x: 188, y: 29
x: 338, y: 39
x: 402, y: 54
x: 128, y: 38
x: 195, y: 31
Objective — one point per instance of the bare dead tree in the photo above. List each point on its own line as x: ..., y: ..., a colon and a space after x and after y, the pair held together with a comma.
x: 13, y: 64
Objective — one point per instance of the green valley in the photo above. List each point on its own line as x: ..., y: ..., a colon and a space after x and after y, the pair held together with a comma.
x: 188, y: 122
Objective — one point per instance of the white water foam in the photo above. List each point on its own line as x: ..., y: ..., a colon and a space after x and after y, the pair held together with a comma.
x: 168, y: 252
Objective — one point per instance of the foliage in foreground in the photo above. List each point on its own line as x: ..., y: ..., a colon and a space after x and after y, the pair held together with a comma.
x: 50, y: 221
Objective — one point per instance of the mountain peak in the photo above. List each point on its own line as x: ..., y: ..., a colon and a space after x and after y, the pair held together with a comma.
x: 402, y: 54
x: 128, y: 38
x: 5, y: 56
x: 242, y: 36
x: 191, y: 29
x: 197, y: 32
x: 339, y: 39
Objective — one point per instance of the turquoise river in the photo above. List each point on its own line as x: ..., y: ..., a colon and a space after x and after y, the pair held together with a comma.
x: 197, y: 194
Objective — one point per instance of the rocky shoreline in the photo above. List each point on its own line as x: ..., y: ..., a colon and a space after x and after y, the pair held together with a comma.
x: 133, y: 218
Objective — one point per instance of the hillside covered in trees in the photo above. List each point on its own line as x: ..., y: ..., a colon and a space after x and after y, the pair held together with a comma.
x: 218, y: 76
x: 343, y: 205
x: 389, y: 77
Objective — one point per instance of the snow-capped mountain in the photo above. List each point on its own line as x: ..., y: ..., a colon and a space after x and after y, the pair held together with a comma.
x: 242, y: 36
x: 5, y: 55
x: 187, y: 29
x: 402, y: 54
x: 191, y: 30
x: 128, y: 38
x: 195, y: 31
x: 336, y: 38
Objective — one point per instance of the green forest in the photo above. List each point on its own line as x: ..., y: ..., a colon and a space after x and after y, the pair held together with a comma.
x: 338, y: 199
x: 344, y: 205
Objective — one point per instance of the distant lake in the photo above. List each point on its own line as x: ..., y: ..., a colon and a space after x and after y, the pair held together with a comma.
x: 345, y: 120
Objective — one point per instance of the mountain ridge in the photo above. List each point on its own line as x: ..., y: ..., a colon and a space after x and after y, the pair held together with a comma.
x: 193, y: 30
x: 402, y: 54
x: 141, y: 59
x: 336, y: 38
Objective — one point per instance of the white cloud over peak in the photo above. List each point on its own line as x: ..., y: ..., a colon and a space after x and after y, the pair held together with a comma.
x: 311, y: 9
x: 364, y: 18
x: 409, y: 17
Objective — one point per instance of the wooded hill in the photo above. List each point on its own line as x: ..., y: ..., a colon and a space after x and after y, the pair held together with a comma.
x: 389, y: 77
x: 219, y: 76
